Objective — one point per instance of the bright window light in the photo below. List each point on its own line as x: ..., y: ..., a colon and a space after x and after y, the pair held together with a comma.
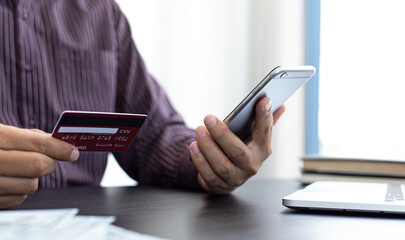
x: 362, y: 89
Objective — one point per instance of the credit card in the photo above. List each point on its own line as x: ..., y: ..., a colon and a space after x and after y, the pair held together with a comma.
x: 98, y: 131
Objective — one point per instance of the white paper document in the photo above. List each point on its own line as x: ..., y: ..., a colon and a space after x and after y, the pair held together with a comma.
x: 61, y: 224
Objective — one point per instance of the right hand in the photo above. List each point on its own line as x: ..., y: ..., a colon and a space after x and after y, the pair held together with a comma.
x: 25, y: 155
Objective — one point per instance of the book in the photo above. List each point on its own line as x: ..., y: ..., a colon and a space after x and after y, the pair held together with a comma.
x: 308, y: 178
x: 369, y: 166
x: 317, y: 168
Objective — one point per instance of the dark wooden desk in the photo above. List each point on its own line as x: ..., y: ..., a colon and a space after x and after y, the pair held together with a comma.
x: 253, y: 211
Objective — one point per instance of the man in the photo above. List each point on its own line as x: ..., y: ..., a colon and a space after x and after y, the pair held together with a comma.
x: 58, y: 55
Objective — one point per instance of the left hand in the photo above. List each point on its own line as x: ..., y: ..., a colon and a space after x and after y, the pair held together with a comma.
x: 222, y: 160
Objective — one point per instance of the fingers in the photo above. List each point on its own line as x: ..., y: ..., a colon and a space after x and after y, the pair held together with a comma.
x: 224, y: 140
x: 211, y: 188
x: 39, y: 131
x: 25, y: 164
x: 26, y: 155
x: 11, y: 201
x: 205, y: 170
x: 262, y: 129
x: 18, y: 186
x: 33, y: 141
x: 222, y: 160
x: 277, y: 114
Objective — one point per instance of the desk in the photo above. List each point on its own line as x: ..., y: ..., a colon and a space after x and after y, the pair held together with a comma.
x: 253, y: 211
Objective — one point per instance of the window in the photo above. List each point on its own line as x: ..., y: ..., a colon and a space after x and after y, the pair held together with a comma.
x: 361, y: 81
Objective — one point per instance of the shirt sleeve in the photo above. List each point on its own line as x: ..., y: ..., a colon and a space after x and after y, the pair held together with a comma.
x: 160, y: 152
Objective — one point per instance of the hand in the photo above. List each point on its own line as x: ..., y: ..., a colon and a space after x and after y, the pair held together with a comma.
x: 25, y: 155
x: 222, y: 160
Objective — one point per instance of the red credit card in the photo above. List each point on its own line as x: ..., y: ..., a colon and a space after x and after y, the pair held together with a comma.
x: 98, y: 131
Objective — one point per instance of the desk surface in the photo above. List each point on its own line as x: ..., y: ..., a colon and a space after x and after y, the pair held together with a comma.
x: 253, y: 211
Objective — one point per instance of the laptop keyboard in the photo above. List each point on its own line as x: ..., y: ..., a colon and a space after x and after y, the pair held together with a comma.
x: 394, y: 193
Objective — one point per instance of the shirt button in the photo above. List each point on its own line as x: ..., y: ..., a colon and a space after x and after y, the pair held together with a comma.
x: 24, y: 15
x: 28, y: 67
x: 31, y: 121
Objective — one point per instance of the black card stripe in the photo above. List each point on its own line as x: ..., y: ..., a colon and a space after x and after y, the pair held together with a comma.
x: 101, y: 121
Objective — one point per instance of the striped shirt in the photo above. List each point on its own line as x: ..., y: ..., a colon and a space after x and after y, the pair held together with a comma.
x: 58, y: 55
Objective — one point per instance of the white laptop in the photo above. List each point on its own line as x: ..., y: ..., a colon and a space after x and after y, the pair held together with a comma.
x: 349, y: 196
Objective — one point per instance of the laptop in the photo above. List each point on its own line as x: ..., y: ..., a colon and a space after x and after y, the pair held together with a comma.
x: 349, y: 196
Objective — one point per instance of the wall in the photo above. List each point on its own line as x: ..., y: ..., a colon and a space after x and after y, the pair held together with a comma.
x: 208, y: 54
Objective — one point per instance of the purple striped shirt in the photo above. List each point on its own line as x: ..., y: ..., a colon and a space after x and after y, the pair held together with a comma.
x: 58, y: 55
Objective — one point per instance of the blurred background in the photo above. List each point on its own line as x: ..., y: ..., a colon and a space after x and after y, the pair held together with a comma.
x: 208, y: 54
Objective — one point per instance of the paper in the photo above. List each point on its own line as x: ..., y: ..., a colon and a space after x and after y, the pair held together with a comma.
x: 61, y: 224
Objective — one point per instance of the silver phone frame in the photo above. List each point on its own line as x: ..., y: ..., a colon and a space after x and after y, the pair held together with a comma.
x: 245, y: 117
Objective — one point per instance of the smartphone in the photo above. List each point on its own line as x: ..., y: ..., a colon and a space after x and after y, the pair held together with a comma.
x: 280, y: 84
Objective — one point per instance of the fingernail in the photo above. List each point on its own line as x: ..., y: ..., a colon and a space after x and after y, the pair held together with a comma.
x: 201, y: 132
x: 195, y: 149
x: 268, y: 106
x: 210, y: 121
x: 74, y: 155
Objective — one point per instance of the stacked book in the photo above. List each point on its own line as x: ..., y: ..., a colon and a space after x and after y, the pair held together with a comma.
x: 322, y: 168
